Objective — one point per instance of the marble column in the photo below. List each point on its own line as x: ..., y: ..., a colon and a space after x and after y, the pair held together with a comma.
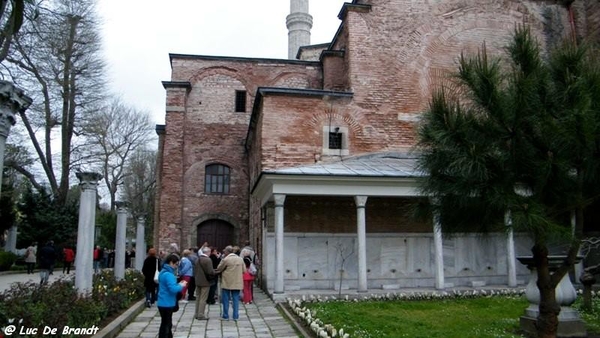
x: 84, y: 259
x: 578, y: 267
x: 361, y: 234
x: 11, y: 240
x: 140, y: 242
x: 12, y: 100
x: 120, y: 240
x: 510, y: 251
x: 279, y: 200
x: 439, y: 253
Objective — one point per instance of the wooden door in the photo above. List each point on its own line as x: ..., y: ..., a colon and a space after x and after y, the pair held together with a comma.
x: 216, y: 232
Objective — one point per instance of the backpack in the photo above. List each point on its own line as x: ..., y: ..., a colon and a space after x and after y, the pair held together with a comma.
x: 253, y: 271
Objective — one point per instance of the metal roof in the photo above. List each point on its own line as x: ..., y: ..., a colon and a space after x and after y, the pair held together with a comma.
x: 388, y: 164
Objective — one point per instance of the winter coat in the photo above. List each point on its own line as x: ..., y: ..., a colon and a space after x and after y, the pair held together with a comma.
x: 167, y: 287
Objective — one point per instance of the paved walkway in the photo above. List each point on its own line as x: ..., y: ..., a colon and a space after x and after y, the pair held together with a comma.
x: 260, y: 319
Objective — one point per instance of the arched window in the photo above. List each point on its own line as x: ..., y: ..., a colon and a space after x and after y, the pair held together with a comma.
x: 216, y: 179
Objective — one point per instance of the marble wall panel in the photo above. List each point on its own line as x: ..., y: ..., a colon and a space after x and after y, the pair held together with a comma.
x: 392, y: 257
x: 420, y: 257
x: 313, y: 258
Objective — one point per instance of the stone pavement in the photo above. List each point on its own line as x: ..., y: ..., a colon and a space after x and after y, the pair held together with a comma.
x: 260, y: 319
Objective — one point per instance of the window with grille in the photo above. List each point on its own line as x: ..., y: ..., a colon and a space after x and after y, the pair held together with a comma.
x: 240, y: 101
x: 335, y: 140
x: 216, y: 179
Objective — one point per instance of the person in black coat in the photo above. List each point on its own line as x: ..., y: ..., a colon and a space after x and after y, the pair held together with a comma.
x: 47, y: 261
x: 150, y: 264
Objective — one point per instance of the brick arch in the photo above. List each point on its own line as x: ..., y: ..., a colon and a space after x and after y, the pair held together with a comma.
x: 224, y: 218
x: 435, y: 63
x: 332, y: 114
x: 219, y: 70
x: 287, y: 80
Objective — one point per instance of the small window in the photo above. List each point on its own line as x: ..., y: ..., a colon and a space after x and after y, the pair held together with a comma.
x: 335, y: 140
x: 240, y: 101
x: 216, y: 179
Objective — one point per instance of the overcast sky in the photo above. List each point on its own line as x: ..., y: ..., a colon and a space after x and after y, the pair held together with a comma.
x: 138, y: 36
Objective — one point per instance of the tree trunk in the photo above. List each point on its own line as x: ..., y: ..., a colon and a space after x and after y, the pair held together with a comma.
x: 547, y: 321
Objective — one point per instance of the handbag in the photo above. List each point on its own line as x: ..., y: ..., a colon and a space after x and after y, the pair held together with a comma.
x: 156, y: 273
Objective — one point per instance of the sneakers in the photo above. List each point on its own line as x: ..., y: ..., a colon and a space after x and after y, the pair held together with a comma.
x: 148, y: 304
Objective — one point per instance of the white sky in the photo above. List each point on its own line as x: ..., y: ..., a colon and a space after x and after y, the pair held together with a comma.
x: 138, y: 36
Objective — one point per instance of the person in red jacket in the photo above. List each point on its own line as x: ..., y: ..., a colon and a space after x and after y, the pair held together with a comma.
x: 69, y: 257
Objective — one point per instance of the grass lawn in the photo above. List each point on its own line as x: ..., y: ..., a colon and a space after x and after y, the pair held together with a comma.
x: 477, y: 317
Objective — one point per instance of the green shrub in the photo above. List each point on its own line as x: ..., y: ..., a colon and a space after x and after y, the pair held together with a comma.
x: 58, y: 304
x: 7, y: 259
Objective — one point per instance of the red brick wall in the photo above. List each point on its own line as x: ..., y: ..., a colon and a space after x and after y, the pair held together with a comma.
x: 338, y: 215
x: 202, y: 128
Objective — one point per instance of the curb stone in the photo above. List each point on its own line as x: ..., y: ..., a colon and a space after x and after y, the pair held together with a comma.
x: 114, y: 328
x: 292, y: 320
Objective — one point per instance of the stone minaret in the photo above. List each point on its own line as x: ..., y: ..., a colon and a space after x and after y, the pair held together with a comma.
x: 299, y: 23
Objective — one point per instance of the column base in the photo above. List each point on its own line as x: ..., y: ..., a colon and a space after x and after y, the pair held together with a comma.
x: 569, y: 322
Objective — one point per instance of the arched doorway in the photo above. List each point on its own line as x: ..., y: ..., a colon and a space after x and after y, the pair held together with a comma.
x: 216, y: 232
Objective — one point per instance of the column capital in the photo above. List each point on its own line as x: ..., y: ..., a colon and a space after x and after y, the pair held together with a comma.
x: 279, y: 199
x: 88, y: 180
x: 122, y: 206
x: 141, y: 217
x: 360, y: 201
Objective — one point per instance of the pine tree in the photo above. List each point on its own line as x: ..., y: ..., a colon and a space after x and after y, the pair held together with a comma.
x: 519, y: 134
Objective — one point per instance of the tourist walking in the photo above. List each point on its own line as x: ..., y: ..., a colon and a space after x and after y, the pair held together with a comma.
x: 232, y: 269
x: 248, y: 294
x: 193, y: 257
x: 186, y: 271
x: 151, y: 264
x: 167, y: 295
x: 215, y: 257
x: 31, y: 257
x: 68, y: 258
x: 98, y: 257
x: 47, y: 260
x: 204, y: 273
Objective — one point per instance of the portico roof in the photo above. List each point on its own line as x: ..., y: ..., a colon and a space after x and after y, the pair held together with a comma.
x: 375, y: 174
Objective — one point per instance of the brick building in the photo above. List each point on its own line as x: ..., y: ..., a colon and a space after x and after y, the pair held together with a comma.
x: 310, y: 158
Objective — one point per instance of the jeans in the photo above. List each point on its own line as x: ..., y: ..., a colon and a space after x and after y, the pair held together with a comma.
x: 212, y: 293
x: 44, y: 275
x: 150, y: 295
x: 235, y: 299
x: 166, y: 322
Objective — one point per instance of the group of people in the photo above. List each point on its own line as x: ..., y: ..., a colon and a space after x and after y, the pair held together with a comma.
x: 47, y: 257
x: 194, y: 276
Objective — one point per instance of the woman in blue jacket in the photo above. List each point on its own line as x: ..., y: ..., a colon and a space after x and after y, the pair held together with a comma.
x: 167, y: 295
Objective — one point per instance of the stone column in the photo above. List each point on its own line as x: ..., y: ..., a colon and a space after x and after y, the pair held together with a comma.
x: 510, y: 251
x: 361, y: 234
x: 439, y: 253
x: 84, y: 259
x: 578, y: 267
x: 12, y: 100
x: 120, y: 240
x: 279, y: 200
x: 140, y: 242
x: 11, y: 240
